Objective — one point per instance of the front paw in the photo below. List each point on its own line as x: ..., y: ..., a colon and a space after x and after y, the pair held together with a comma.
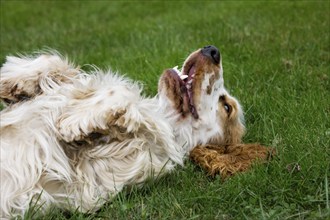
x: 75, y: 127
x: 12, y: 91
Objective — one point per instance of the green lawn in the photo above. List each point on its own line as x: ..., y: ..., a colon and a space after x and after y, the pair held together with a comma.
x: 276, y: 58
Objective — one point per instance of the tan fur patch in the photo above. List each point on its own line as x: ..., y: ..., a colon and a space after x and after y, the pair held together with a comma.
x: 83, y: 94
x: 116, y: 118
x: 66, y: 77
x: 233, y: 130
x: 230, y: 159
x: 211, y: 83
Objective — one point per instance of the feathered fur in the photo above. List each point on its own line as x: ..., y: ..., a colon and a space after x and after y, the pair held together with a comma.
x: 75, y: 140
x: 227, y: 160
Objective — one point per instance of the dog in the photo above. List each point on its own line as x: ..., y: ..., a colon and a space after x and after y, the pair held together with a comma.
x: 74, y: 139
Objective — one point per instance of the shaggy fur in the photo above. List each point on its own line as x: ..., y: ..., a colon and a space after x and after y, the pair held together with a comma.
x: 75, y: 140
x: 227, y: 160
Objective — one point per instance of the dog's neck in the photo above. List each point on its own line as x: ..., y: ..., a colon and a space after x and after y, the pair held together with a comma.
x: 188, y: 131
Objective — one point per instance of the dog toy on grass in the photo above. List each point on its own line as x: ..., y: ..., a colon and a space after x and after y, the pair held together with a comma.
x: 230, y: 159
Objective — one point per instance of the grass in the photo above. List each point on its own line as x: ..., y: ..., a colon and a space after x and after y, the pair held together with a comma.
x: 276, y: 57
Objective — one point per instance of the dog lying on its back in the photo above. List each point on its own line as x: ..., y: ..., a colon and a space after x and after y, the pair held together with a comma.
x: 75, y: 140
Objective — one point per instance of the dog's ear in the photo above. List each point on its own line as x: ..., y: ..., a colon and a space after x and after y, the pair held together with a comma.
x: 173, y: 88
x: 231, y: 159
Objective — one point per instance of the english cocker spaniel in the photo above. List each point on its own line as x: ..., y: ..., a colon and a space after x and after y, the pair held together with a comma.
x: 75, y: 139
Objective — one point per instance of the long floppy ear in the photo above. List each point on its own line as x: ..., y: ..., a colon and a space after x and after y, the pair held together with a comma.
x: 23, y: 78
x: 231, y: 159
x: 174, y: 89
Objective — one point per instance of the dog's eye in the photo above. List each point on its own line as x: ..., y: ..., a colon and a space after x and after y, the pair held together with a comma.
x: 227, y: 108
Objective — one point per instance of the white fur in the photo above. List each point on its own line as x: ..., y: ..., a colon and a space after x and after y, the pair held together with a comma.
x: 39, y: 163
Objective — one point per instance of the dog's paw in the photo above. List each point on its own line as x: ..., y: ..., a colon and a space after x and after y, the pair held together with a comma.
x: 89, y: 127
x: 15, y: 91
x: 22, y: 78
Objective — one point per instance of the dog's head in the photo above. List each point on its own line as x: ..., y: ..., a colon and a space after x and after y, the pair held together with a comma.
x: 196, y: 86
x: 196, y: 103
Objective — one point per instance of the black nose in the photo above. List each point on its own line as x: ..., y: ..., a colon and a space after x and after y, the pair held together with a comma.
x: 212, y: 52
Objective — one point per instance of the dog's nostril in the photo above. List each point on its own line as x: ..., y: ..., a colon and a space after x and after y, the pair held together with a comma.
x: 212, y: 52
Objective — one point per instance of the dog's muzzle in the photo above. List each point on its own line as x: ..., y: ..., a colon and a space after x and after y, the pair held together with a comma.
x: 212, y: 52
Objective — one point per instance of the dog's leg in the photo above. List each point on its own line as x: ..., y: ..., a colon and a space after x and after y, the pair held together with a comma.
x: 25, y: 77
x: 104, y: 106
x: 91, y: 128
x: 228, y: 160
